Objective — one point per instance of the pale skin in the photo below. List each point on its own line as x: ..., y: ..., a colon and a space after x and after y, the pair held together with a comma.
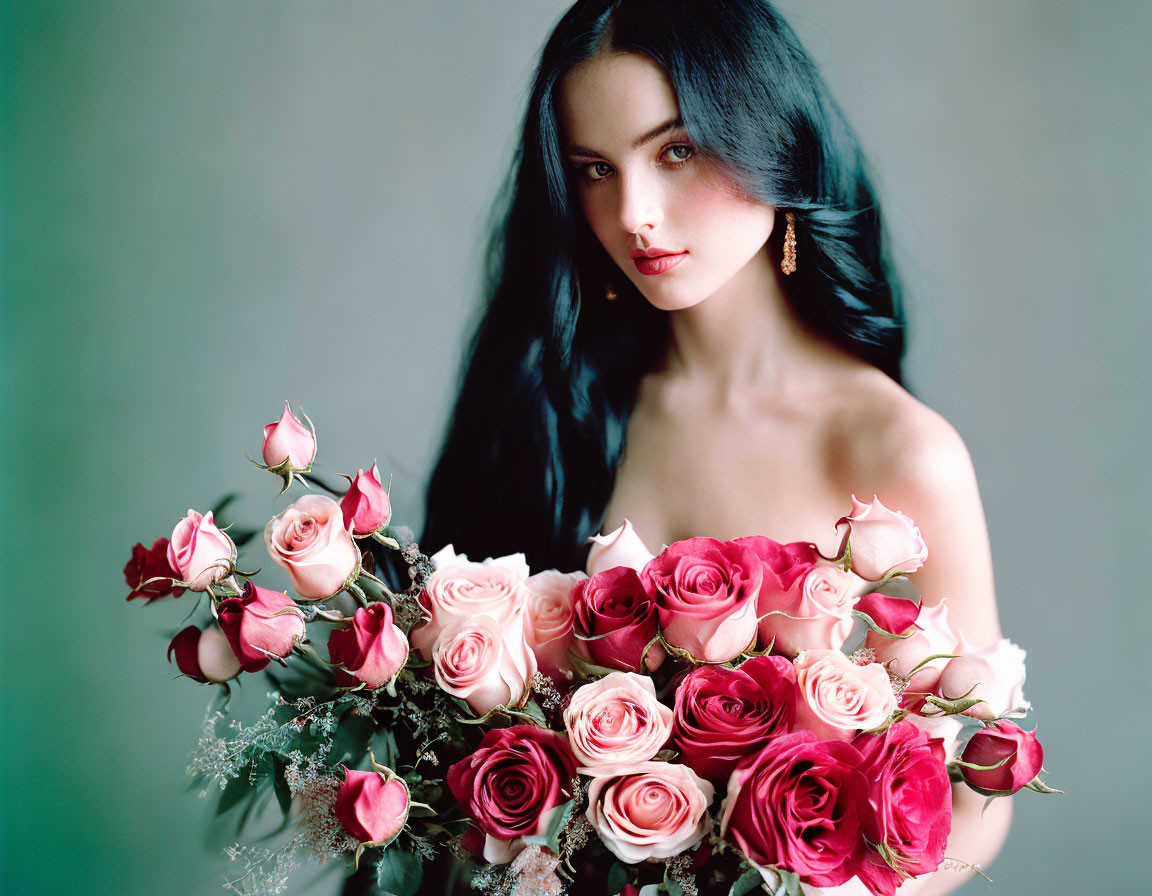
x: 755, y: 424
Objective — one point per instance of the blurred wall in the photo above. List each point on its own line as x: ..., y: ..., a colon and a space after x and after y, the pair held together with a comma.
x: 211, y: 206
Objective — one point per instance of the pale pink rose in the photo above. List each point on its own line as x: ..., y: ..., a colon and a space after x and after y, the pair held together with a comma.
x: 620, y: 547
x: 648, y: 811
x: 815, y: 612
x: 994, y: 673
x: 930, y: 635
x: 199, y: 551
x: 883, y: 541
x: 550, y: 618
x: 310, y: 541
x: 945, y: 728
x: 204, y: 655
x: 484, y: 663
x: 365, y: 505
x: 838, y: 697
x: 617, y: 720
x: 288, y: 440
x: 461, y: 588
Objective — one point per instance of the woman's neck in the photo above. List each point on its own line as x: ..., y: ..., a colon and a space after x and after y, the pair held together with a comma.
x: 743, y: 340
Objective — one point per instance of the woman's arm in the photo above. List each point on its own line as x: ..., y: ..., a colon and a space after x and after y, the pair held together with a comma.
x: 917, y: 463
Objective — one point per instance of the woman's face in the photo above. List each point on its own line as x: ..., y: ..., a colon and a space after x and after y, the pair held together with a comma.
x: 641, y: 185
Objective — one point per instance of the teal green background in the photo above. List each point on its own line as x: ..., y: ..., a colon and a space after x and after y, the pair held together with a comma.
x: 210, y: 207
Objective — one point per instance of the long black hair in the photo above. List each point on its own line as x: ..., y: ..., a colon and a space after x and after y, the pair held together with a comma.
x: 529, y: 458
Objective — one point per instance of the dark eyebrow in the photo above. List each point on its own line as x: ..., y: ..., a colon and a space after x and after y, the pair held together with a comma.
x: 646, y: 137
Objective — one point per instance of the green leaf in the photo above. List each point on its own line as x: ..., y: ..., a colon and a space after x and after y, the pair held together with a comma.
x: 237, y: 790
x: 670, y: 885
x: 872, y: 626
x: 618, y: 878
x: 279, y: 785
x: 748, y: 882
x: 399, y: 873
x: 557, y: 824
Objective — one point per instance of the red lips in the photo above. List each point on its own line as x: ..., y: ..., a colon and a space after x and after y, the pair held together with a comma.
x: 656, y: 260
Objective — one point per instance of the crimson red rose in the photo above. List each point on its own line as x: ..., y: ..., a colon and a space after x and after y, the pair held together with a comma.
x: 148, y: 563
x: 615, y: 620
x: 800, y: 804
x: 1006, y: 742
x: 723, y: 715
x: 515, y: 776
x: 911, y: 800
x: 706, y: 590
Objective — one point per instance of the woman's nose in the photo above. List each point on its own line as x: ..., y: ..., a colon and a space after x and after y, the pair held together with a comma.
x: 640, y: 203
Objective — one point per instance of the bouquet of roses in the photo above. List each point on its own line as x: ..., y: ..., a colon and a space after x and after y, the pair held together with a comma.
x: 725, y: 716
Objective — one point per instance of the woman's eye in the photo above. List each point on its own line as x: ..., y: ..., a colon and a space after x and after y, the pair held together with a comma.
x: 597, y: 170
x: 680, y: 152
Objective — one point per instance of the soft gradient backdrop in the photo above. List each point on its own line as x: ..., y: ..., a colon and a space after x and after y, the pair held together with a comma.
x: 212, y: 205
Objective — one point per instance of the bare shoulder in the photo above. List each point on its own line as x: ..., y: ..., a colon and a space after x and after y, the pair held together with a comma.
x: 890, y: 444
x: 886, y: 437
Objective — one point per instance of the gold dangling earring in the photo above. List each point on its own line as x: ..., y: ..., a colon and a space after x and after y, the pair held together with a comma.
x: 788, y: 262
x: 609, y: 292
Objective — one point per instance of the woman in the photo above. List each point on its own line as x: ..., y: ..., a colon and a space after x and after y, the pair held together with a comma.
x: 749, y: 381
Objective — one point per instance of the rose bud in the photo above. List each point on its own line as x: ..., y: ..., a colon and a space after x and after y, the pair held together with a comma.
x: 1016, y: 753
x: 373, y: 648
x: 994, y: 674
x: 620, y: 547
x: 372, y: 806
x: 260, y: 624
x: 615, y: 621
x: 883, y: 542
x: 706, y: 591
x: 200, y: 552
x: 151, y: 563
x: 930, y: 635
x: 309, y: 540
x: 204, y: 655
x: 288, y: 441
x: 365, y: 505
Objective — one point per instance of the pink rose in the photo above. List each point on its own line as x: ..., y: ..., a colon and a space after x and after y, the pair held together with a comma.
x: 200, y: 552
x: 723, y: 715
x: 151, y: 563
x: 647, y: 811
x: 373, y: 648
x: 365, y: 505
x: 617, y: 720
x: 911, y: 800
x: 929, y: 635
x: 372, y: 806
x: 461, y: 588
x: 483, y: 663
x: 615, y: 621
x: 1016, y: 753
x: 783, y: 564
x: 893, y: 614
x: 995, y: 674
x: 310, y: 541
x: 883, y: 542
x: 510, y: 785
x: 838, y: 697
x: 549, y: 620
x: 706, y: 592
x: 815, y: 612
x: 260, y: 624
x: 620, y: 547
x: 800, y: 804
x: 288, y: 440
x: 204, y: 655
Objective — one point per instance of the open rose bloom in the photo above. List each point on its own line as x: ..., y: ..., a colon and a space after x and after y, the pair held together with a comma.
x: 812, y: 712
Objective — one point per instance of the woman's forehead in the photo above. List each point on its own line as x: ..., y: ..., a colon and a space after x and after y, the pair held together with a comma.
x: 610, y: 101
